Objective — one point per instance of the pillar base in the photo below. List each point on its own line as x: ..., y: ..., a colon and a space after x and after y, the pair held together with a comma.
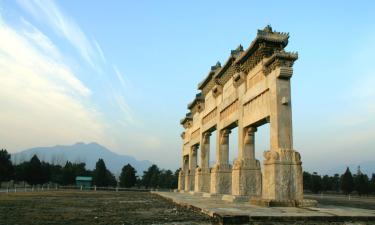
x: 191, y: 180
x: 187, y: 182
x: 282, y: 177
x: 212, y: 195
x: 246, y: 178
x: 202, y: 180
x: 181, y: 181
x: 221, y: 179
x: 284, y: 203
x: 200, y: 194
x: 236, y: 198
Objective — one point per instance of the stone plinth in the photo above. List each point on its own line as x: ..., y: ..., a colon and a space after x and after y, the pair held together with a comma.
x: 202, y: 180
x: 236, y: 198
x: 221, y: 179
x: 187, y: 181
x: 282, y: 168
x: 191, y: 180
x: 246, y: 178
x: 181, y: 181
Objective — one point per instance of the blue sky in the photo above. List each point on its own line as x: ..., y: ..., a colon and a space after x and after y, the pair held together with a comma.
x: 121, y: 73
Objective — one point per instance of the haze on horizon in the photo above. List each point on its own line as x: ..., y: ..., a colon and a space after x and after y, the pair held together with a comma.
x: 121, y: 73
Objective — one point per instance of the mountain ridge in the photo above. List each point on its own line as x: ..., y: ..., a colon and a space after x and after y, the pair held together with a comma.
x: 80, y: 152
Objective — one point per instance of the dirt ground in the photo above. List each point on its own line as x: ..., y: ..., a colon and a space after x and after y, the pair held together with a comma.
x: 89, y: 207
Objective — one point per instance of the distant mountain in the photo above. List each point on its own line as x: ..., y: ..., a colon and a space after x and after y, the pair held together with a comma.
x: 81, y: 152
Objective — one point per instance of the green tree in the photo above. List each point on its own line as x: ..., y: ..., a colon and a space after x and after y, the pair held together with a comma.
x: 150, y: 177
x: 71, y: 170
x: 336, y: 183
x: 34, y: 171
x: 372, y: 184
x: 20, y: 171
x: 165, y: 179
x: 46, y: 172
x: 316, y: 183
x: 6, y: 167
x: 347, y: 183
x: 128, y: 177
x: 306, y: 180
x: 361, y: 183
x: 326, y: 183
x: 68, y: 174
x: 111, y: 179
x: 100, y: 176
x: 103, y: 177
x: 56, y: 174
x: 175, y: 179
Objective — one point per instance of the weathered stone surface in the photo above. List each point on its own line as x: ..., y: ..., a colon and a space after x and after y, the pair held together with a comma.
x: 246, y: 178
x: 221, y: 179
x: 202, y: 180
x: 181, y: 180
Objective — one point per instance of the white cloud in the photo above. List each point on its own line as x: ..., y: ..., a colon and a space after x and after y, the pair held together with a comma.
x: 42, y: 100
x: 121, y: 78
x: 127, y: 115
x: 49, y: 12
x: 101, y: 53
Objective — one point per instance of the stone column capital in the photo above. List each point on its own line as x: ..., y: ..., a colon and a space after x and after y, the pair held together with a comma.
x: 251, y: 130
x: 225, y: 132
x: 225, y: 136
x: 194, y: 149
x: 207, y: 134
x: 206, y: 138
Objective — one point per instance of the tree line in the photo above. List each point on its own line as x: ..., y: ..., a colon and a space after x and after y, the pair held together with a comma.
x: 347, y: 183
x: 36, y: 172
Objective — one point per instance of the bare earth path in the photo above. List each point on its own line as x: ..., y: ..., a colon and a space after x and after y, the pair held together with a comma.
x: 80, y: 207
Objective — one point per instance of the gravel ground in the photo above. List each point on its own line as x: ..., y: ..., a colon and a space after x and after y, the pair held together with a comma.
x: 89, y: 207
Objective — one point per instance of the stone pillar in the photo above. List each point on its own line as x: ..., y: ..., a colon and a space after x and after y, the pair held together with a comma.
x: 202, y: 173
x: 182, y: 173
x: 192, y: 166
x: 186, y: 173
x: 246, y: 173
x: 221, y: 173
x: 282, y: 180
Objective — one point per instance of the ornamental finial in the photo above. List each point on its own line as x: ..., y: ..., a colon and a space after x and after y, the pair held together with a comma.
x: 218, y: 65
x: 268, y: 28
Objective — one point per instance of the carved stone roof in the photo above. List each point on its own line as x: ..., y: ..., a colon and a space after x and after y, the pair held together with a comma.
x: 233, y: 56
x: 198, y: 98
x: 188, y: 117
x: 280, y: 59
x: 289, y: 56
x: 265, y: 35
x: 214, y: 69
x: 264, y: 45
